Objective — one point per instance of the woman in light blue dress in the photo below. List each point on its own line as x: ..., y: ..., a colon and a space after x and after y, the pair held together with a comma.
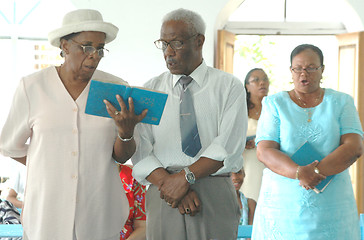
x: 288, y: 208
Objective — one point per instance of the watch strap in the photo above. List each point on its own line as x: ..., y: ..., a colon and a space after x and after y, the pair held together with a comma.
x: 190, y: 177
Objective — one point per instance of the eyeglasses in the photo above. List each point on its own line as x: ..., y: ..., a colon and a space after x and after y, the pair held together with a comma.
x: 308, y: 70
x: 175, y: 44
x: 256, y: 80
x: 89, y: 50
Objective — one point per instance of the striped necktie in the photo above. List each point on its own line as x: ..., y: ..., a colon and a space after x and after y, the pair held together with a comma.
x: 190, y: 138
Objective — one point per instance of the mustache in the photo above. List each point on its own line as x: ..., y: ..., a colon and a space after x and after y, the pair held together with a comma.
x: 170, y: 60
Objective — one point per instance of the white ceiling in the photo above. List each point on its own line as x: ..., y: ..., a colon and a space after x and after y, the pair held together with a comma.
x: 291, y: 17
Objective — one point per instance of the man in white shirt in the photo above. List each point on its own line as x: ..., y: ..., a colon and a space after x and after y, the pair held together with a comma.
x: 192, y: 196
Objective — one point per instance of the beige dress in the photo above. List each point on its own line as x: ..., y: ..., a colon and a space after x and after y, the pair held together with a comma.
x: 252, y: 166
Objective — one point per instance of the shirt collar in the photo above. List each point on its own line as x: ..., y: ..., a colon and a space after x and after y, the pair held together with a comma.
x: 198, y: 74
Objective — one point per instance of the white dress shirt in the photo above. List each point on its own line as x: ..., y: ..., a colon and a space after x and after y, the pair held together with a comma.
x: 18, y: 181
x: 220, y: 104
x: 73, y: 185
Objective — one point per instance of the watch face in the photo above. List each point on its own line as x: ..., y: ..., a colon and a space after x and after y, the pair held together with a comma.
x: 190, y: 177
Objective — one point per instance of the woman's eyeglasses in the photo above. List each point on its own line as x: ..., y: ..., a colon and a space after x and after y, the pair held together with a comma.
x: 89, y: 50
x: 308, y: 70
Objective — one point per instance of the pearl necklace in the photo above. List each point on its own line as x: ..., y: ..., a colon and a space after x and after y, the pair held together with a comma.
x: 309, y: 110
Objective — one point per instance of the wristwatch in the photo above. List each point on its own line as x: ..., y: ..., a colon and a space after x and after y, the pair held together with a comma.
x: 190, y: 177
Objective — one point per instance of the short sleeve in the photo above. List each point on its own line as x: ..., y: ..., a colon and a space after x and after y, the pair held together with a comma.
x: 349, y: 118
x: 16, y: 130
x: 269, y: 122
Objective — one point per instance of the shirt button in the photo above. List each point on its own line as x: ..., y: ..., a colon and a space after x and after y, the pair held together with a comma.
x: 74, y: 131
x: 75, y: 109
x: 74, y: 176
x: 74, y: 153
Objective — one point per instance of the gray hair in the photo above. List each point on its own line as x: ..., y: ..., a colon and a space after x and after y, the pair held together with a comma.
x: 193, y: 20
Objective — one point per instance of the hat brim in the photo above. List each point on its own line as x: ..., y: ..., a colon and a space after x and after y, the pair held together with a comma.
x: 109, y: 29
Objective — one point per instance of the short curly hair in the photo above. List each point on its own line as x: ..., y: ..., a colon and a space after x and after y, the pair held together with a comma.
x: 194, y: 21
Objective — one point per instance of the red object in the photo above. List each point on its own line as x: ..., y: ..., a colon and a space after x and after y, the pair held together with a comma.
x: 135, y: 192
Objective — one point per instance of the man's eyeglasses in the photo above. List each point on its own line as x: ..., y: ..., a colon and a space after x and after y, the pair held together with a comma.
x: 308, y: 70
x: 175, y: 44
x: 89, y: 50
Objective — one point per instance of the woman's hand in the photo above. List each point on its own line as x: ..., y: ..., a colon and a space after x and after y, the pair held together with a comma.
x: 125, y: 119
x: 308, y: 177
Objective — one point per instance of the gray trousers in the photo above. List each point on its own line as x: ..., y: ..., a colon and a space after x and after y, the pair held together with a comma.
x: 218, y: 218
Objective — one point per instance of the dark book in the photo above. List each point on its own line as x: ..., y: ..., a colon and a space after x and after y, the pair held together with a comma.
x: 248, y: 138
x: 143, y: 98
x: 306, y: 155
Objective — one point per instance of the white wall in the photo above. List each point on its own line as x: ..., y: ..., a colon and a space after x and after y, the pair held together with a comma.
x: 133, y: 55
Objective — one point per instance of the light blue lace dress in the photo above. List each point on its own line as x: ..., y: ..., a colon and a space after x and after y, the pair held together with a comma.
x: 287, y: 211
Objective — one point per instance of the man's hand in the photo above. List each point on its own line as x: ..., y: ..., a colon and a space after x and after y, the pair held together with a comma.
x: 173, y: 188
x: 190, y: 204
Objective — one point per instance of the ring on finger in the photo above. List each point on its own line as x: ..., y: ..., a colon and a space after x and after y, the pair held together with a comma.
x: 170, y: 204
x: 187, y: 210
x: 116, y: 112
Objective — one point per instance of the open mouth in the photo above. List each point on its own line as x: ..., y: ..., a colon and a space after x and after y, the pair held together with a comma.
x: 305, y: 82
x: 90, y: 67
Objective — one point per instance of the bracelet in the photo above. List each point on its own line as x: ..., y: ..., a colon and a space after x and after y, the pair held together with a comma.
x: 125, y: 139
x: 297, y: 171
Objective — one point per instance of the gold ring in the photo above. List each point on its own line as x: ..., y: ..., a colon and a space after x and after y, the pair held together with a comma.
x: 187, y: 210
x: 116, y: 112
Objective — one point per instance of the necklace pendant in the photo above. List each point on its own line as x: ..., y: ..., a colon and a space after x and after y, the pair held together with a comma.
x: 309, y: 120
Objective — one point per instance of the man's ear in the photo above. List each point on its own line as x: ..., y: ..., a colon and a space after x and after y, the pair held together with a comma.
x: 200, y: 40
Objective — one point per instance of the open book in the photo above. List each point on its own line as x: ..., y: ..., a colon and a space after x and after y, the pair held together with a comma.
x: 306, y: 155
x: 143, y: 98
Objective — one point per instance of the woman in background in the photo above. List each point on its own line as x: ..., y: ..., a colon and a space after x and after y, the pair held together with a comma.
x: 247, y: 205
x: 257, y: 87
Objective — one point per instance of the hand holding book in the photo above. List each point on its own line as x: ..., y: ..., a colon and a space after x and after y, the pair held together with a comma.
x: 143, y: 99
x: 125, y: 119
x: 309, y: 176
x: 307, y: 155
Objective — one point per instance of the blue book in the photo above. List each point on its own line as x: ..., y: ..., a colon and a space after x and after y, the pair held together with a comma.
x: 306, y: 155
x: 143, y: 98
x: 248, y: 138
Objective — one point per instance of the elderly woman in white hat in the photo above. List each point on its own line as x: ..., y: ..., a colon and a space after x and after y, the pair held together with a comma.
x: 73, y: 188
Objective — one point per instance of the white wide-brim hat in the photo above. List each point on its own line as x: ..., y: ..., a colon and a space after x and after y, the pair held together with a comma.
x: 83, y: 20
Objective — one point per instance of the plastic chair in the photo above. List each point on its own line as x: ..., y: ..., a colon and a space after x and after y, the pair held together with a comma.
x: 11, y: 230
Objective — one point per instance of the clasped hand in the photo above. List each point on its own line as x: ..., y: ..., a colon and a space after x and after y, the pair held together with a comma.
x: 308, y: 177
x: 175, y: 190
x: 125, y: 119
